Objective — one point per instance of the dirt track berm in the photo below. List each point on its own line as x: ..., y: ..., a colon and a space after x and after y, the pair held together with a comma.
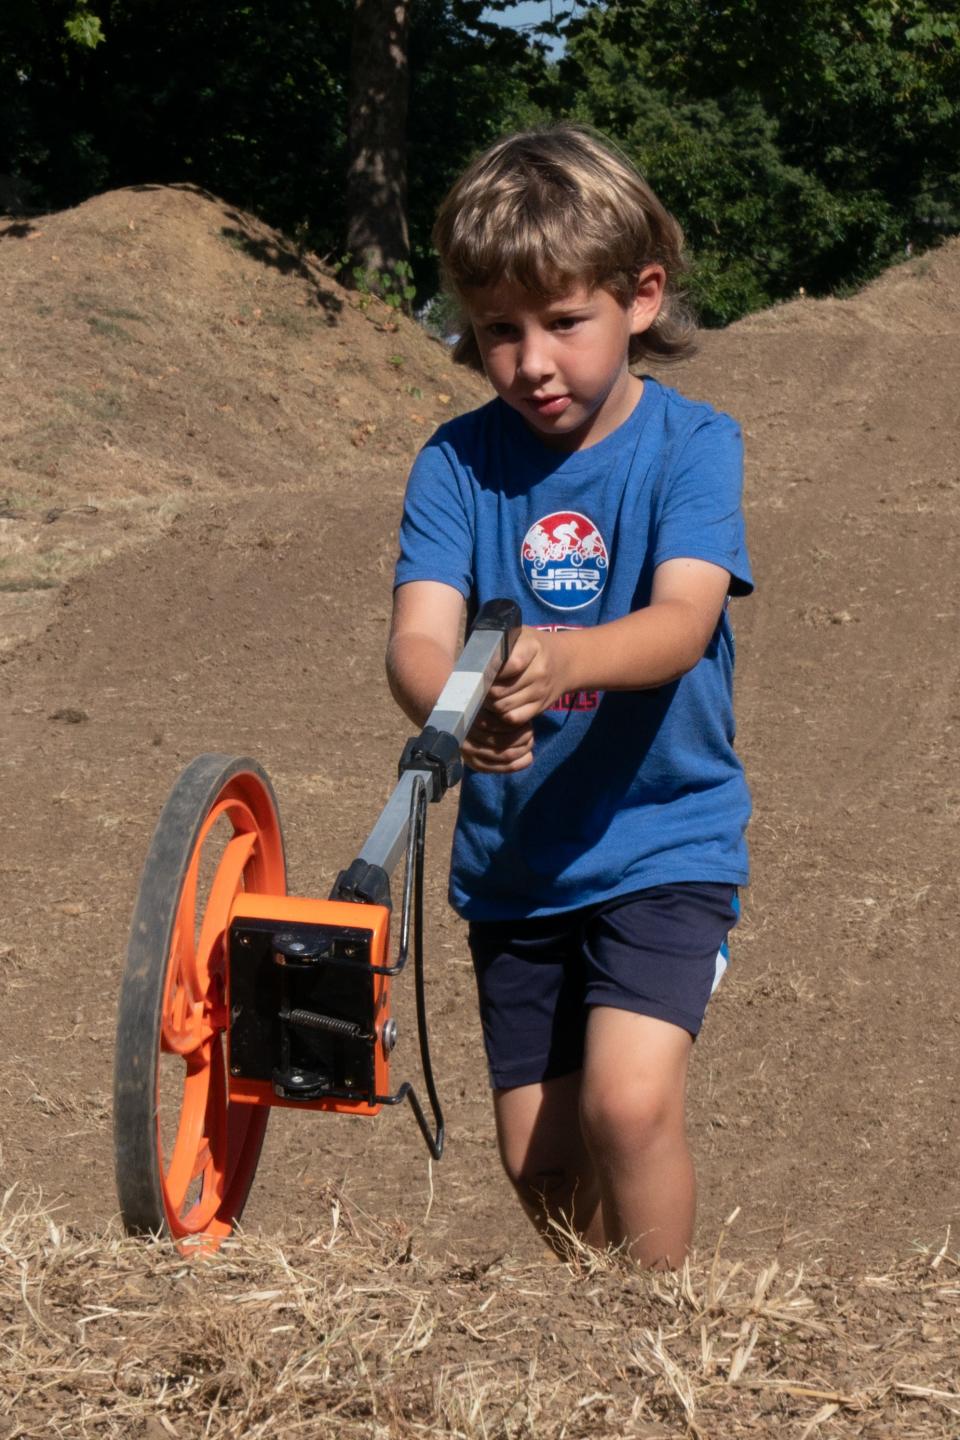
x: 237, y: 997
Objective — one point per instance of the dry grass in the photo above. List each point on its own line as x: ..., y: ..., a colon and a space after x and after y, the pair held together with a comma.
x: 348, y: 1333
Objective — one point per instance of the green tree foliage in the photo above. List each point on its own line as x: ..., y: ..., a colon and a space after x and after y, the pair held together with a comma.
x: 803, y: 145
x: 243, y: 99
x: 246, y: 100
x: 44, y: 54
x: 471, y: 81
x: 83, y: 27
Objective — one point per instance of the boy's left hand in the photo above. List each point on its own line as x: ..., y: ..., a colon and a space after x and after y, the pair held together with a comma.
x: 530, y: 680
x: 652, y: 646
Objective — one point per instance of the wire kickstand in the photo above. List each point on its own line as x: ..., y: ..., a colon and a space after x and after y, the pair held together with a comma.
x: 413, y: 903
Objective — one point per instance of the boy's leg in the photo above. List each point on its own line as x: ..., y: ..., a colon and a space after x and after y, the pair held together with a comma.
x: 530, y: 979
x: 632, y: 1103
x: 652, y: 962
x: 546, y: 1160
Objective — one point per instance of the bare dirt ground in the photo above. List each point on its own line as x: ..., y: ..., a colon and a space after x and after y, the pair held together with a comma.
x: 203, y: 446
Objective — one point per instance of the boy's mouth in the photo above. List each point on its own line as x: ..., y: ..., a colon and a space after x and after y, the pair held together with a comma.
x: 548, y: 404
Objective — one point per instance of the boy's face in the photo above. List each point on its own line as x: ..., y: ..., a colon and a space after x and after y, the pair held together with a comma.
x: 562, y: 363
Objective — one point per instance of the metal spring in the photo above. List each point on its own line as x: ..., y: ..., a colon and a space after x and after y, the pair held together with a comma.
x: 313, y: 1021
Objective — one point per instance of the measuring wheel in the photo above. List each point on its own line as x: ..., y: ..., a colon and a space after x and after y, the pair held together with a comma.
x: 239, y: 998
x: 186, y: 1156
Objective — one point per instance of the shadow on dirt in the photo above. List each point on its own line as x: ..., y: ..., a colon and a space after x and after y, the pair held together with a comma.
x: 287, y: 260
x: 264, y: 245
x: 18, y: 230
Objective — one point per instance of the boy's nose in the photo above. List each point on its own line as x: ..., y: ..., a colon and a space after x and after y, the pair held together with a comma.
x: 533, y: 358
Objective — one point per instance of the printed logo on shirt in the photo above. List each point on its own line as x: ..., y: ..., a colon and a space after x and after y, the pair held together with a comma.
x: 578, y: 700
x: 564, y: 559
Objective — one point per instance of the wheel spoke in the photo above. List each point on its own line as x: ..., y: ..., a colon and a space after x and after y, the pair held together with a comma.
x: 179, y: 1008
x: 190, y: 1130
x: 186, y: 922
x: 201, y: 1162
x: 216, y: 1129
x: 226, y: 883
x: 187, y: 1039
x: 182, y: 1023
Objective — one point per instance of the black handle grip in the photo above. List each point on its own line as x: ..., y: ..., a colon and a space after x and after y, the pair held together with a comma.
x: 502, y: 615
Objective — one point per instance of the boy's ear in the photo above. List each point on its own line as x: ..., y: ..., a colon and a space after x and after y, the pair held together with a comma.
x: 646, y: 303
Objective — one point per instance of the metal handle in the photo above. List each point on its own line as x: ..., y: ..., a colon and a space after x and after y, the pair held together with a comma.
x: 429, y: 765
x: 491, y: 639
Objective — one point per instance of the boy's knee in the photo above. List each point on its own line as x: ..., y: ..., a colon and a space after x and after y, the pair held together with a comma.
x: 534, y: 1170
x: 562, y: 1194
x: 548, y: 1180
x: 542, y: 1186
x: 627, y: 1114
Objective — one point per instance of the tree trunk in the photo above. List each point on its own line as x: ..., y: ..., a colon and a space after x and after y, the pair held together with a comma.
x: 377, y: 235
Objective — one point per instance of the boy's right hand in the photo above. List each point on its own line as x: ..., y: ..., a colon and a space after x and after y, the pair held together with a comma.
x: 496, y: 747
x: 421, y: 654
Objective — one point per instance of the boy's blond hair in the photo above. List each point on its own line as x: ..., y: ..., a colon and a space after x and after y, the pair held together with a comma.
x: 554, y: 208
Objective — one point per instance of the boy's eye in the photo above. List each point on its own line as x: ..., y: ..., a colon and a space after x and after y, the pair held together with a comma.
x: 499, y: 328
x: 567, y: 322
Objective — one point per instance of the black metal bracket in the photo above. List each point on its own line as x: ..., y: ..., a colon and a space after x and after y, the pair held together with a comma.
x: 438, y: 752
x: 363, y: 884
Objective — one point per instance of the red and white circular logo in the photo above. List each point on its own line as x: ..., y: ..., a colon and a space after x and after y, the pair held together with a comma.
x: 564, y: 559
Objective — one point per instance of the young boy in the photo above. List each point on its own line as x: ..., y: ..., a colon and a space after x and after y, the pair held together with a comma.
x: 600, y: 838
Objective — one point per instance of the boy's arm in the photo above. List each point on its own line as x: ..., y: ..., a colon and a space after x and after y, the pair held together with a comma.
x: 648, y: 648
x: 424, y: 635
x: 424, y: 639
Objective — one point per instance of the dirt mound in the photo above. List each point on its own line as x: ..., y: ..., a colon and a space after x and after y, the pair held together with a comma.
x: 919, y: 297
x: 230, y: 591
x: 159, y: 346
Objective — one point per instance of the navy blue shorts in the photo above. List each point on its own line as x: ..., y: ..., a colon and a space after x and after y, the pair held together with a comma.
x: 658, y: 952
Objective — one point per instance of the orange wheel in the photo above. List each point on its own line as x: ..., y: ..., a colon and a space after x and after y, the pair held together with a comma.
x: 185, y: 1157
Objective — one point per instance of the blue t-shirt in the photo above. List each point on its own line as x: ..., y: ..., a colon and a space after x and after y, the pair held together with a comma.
x: 627, y: 789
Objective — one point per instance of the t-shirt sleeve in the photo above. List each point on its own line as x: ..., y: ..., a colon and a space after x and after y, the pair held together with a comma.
x: 436, y: 532
x: 700, y: 515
